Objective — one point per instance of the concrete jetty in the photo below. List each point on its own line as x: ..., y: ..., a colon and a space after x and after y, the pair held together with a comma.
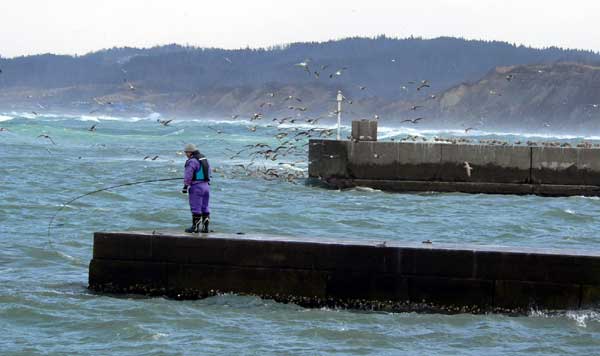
x: 361, y: 274
x: 444, y: 167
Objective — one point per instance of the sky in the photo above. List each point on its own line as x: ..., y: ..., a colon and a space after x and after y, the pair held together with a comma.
x: 81, y: 26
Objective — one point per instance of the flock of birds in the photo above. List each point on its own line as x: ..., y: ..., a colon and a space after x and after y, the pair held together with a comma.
x: 289, y: 151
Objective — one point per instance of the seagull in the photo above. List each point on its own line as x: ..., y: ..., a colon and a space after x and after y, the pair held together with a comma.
x: 468, y: 129
x: 427, y: 242
x: 93, y: 128
x: 376, y: 117
x: 290, y: 97
x: 468, y: 168
x: 216, y: 130
x: 48, y: 137
x: 509, y: 77
x: 382, y: 244
x: 34, y: 113
x: 304, y: 65
x: 233, y: 117
x: 252, y: 128
x: 414, y: 121
x: 415, y: 107
x: 227, y: 60
x: 362, y: 87
x: 423, y: 85
x: 154, y: 158
x: 256, y: 116
x: 164, y: 122
x: 271, y: 94
x: 2, y: 128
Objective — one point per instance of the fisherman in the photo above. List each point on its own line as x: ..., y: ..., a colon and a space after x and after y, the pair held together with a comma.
x: 196, y: 182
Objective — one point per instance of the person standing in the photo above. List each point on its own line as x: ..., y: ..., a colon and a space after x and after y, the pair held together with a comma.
x: 196, y: 183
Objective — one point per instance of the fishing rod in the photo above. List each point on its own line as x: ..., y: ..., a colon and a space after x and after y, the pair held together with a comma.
x: 102, y: 190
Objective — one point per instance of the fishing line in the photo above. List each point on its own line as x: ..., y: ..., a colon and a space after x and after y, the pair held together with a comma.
x: 98, y: 191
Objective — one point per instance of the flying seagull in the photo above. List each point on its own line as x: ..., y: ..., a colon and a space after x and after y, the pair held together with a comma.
x: 48, y: 137
x: 414, y: 121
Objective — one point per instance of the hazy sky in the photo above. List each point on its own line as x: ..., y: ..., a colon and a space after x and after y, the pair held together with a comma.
x: 81, y: 26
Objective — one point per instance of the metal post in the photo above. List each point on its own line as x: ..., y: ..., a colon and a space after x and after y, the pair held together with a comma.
x: 340, y: 98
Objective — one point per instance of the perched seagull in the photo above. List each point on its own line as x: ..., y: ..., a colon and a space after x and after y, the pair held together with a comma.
x: 468, y: 168
x: 48, y: 137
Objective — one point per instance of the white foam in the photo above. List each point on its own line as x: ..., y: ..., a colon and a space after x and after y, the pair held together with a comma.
x: 5, y: 118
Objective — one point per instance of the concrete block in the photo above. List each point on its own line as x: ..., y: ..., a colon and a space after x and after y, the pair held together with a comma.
x: 203, y: 279
x: 537, y: 267
x: 393, y: 161
x: 128, y: 276
x: 522, y: 295
x: 494, y: 164
x: 327, y: 158
x: 590, y: 296
x: 122, y: 246
x: 556, y: 165
x: 451, y: 291
x: 364, y: 130
x: 437, y: 263
x: 367, y: 285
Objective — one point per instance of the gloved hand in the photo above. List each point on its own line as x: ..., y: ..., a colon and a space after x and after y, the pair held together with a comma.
x: 184, y: 190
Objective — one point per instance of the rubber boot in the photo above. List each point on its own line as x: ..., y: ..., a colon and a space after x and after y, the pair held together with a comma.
x: 196, y: 222
x: 205, y: 221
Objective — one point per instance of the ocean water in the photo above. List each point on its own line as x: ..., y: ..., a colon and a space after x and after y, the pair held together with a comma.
x: 46, y: 309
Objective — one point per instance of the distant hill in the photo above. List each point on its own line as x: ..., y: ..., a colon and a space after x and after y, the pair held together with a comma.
x: 379, y: 76
x: 559, y: 97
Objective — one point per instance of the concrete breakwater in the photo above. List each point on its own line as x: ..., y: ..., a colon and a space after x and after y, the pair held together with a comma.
x: 409, y: 166
x: 362, y: 274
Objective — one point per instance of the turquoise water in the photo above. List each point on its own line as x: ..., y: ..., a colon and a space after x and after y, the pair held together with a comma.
x: 46, y: 309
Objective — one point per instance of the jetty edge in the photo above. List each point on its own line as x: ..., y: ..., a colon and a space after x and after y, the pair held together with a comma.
x: 345, y: 273
x: 452, y: 167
